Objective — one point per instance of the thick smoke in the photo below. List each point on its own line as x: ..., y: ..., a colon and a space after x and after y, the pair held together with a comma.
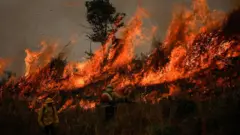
x: 25, y: 23
x: 231, y: 26
x: 235, y: 3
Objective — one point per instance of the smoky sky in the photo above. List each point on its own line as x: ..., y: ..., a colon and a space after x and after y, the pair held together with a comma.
x: 24, y: 23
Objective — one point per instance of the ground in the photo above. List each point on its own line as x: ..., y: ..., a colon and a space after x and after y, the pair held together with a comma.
x: 218, y: 116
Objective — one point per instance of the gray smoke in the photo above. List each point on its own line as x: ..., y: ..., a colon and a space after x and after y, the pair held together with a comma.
x: 24, y: 23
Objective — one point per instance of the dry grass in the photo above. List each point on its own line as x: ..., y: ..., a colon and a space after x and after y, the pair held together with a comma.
x: 179, y: 117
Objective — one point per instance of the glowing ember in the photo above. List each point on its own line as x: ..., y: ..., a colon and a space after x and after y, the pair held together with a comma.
x: 87, y: 104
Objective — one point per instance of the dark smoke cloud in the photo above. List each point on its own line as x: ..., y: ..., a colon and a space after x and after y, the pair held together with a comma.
x: 235, y: 3
x: 24, y: 23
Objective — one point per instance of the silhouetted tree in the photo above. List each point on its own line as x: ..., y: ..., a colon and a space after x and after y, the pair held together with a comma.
x: 89, y: 53
x: 103, y: 19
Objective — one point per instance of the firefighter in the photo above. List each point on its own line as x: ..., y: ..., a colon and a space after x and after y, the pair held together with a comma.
x: 48, y: 117
x: 109, y: 98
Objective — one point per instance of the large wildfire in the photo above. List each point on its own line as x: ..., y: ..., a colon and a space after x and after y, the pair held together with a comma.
x: 200, y: 54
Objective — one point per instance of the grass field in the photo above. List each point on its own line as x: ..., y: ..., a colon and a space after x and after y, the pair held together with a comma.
x: 219, y: 116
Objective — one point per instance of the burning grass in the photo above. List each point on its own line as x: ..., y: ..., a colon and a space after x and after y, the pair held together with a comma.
x: 198, y: 46
x: 169, y: 117
x: 198, y: 61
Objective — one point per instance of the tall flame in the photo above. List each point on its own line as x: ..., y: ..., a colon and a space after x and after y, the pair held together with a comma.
x: 194, y: 43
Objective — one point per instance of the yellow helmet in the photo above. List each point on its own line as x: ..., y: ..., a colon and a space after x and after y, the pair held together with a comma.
x: 49, y: 100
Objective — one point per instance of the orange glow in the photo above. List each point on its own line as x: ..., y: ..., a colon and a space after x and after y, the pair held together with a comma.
x: 190, y: 46
x: 87, y: 104
x: 3, y: 65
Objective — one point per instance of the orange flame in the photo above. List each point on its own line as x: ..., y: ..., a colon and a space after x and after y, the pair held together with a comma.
x: 36, y: 60
x: 190, y: 44
x: 3, y: 65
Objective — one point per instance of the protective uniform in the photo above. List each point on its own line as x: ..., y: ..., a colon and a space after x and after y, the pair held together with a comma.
x: 108, y: 98
x: 48, y: 117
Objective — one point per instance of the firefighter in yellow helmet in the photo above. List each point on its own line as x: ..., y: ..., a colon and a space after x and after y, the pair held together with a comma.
x: 48, y: 117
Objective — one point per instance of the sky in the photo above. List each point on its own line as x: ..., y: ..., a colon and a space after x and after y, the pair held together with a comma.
x: 24, y: 23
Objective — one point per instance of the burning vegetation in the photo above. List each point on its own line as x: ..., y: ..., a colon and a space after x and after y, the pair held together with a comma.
x: 198, y: 59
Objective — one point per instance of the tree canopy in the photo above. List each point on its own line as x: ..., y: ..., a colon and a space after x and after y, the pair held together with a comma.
x: 103, y: 19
